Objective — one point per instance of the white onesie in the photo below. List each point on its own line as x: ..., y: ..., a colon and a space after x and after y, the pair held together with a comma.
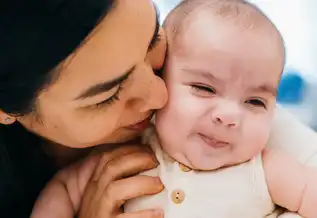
x: 234, y: 192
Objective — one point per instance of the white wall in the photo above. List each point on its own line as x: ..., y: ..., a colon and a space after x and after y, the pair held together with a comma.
x: 296, y: 19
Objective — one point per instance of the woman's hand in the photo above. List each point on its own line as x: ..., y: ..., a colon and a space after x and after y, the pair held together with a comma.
x: 111, y: 184
x: 98, y: 186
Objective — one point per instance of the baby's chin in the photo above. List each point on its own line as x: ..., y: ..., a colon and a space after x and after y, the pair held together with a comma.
x: 207, y: 166
x: 214, y: 163
x: 202, y: 163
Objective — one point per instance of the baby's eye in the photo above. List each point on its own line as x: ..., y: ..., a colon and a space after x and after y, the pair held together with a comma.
x: 203, y: 88
x: 256, y: 102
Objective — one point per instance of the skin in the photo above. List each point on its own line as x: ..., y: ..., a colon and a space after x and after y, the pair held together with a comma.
x: 65, y: 119
x: 219, y: 89
x: 300, y: 194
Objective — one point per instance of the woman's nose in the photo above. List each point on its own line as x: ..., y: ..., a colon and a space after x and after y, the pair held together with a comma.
x: 151, y: 94
x: 156, y: 96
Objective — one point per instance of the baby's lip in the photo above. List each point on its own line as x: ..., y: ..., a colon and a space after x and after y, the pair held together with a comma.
x: 214, y: 141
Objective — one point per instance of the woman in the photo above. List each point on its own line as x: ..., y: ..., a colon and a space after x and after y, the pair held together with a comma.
x: 70, y: 83
x: 76, y: 74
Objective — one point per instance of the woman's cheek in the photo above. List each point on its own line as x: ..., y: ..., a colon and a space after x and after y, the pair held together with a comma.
x: 90, y: 129
x: 156, y: 57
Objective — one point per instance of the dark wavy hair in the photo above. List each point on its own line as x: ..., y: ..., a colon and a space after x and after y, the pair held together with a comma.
x: 36, y: 36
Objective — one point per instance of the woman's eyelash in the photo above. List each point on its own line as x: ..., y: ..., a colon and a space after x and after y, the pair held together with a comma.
x: 155, y: 41
x: 203, y: 88
x: 115, y: 97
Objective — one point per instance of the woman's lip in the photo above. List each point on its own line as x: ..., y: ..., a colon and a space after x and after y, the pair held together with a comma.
x: 140, y: 125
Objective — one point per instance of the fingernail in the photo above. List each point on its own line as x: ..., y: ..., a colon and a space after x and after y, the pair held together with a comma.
x: 158, y: 180
x: 155, y: 159
x: 159, y: 183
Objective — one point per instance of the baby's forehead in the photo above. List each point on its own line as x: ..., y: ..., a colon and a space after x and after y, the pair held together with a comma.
x: 230, y: 13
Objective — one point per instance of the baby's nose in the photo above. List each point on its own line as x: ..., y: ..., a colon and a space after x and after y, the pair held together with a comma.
x: 227, y: 121
x: 228, y: 116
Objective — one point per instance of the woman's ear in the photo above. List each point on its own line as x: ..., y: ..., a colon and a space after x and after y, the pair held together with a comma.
x: 6, y: 119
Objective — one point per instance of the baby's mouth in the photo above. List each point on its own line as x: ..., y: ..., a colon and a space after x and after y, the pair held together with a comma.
x: 214, y: 142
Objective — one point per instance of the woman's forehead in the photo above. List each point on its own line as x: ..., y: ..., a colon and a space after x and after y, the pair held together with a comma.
x: 119, y: 42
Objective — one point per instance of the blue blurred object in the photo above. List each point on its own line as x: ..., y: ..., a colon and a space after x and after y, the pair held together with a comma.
x: 291, y: 88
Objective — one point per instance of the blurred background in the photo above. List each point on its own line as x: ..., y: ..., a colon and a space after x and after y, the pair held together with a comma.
x: 296, y: 20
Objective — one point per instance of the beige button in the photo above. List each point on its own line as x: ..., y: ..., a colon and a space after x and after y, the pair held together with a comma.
x: 184, y: 168
x: 178, y: 196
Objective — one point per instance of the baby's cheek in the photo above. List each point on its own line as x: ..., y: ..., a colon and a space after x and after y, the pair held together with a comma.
x: 259, y: 137
x: 165, y: 126
x: 257, y: 128
x: 163, y: 122
x: 255, y: 136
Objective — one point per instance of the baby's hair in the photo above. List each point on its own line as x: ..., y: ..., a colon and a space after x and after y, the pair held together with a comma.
x: 241, y: 13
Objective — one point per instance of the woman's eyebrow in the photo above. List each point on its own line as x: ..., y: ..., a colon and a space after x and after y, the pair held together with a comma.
x: 105, y: 86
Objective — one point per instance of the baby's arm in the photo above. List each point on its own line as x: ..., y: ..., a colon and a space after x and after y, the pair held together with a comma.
x: 62, y: 196
x: 291, y: 184
x: 54, y: 202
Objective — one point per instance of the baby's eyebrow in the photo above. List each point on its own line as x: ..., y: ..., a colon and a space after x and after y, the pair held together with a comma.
x: 201, y: 73
x: 266, y: 88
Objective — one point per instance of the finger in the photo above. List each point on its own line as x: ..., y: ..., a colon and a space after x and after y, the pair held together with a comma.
x: 127, y: 165
x: 124, y: 166
x: 155, y: 213
x: 119, y: 167
x: 92, y: 192
x: 114, y: 153
x: 129, y: 188
x: 120, y: 151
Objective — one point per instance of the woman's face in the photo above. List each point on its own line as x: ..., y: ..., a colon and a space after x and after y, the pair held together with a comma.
x: 107, y: 87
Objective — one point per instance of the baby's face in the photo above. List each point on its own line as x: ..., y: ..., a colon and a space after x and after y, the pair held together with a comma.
x: 222, y: 91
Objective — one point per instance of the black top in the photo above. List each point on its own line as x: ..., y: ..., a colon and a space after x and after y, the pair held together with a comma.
x: 24, y: 169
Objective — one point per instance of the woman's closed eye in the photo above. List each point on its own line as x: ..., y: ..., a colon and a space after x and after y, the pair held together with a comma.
x: 256, y: 102
x: 155, y: 41
x: 115, y: 97
x: 202, y: 90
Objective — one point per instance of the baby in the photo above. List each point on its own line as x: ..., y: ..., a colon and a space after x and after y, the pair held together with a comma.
x: 223, y: 67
